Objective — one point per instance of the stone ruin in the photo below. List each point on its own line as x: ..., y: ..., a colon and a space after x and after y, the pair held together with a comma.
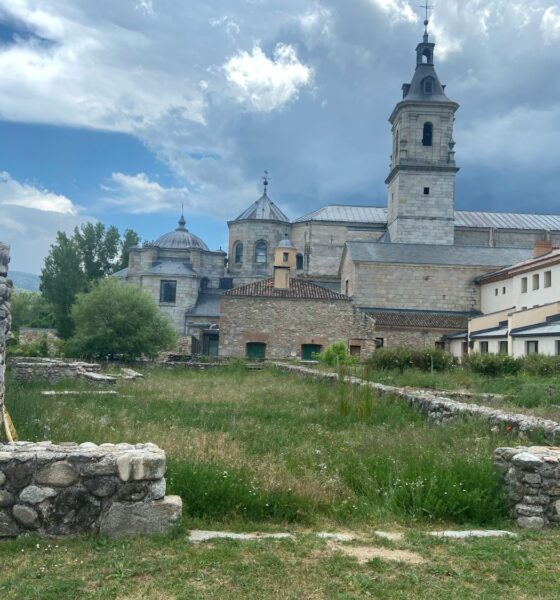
x: 68, y: 489
x: 532, y: 482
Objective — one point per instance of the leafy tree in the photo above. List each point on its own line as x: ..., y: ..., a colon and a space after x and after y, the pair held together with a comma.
x: 31, y: 309
x: 118, y: 320
x: 130, y: 239
x: 62, y: 278
x: 99, y: 249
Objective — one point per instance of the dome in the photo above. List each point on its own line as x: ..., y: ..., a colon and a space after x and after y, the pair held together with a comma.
x: 285, y: 243
x: 180, y: 239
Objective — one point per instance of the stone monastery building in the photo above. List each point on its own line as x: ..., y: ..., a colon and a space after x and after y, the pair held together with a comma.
x: 413, y: 267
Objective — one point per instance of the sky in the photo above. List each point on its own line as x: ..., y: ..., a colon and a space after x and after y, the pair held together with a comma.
x: 124, y: 111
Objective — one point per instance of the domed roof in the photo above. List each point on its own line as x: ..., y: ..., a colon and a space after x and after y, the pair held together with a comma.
x: 285, y: 243
x: 180, y: 239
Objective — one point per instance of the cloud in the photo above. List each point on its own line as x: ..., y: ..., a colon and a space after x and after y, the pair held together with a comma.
x: 31, y: 216
x: 398, y: 10
x: 550, y: 24
x: 137, y: 194
x: 266, y: 84
x: 13, y: 193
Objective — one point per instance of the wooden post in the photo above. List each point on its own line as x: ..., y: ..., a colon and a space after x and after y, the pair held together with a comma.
x: 5, y: 326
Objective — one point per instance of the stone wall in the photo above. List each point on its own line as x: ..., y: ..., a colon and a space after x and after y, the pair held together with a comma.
x: 284, y: 325
x: 532, y: 481
x: 66, y: 489
x: 49, y: 369
x: 394, y: 337
x: 5, y: 320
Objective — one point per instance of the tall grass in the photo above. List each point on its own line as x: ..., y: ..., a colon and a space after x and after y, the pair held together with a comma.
x: 270, y: 447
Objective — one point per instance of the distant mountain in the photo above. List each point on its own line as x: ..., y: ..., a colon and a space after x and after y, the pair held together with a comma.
x: 25, y: 282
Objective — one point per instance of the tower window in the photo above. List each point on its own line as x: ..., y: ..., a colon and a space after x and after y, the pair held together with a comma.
x: 428, y: 85
x: 427, y: 134
x: 426, y: 191
x: 238, y: 253
x: 299, y: 262
x: 260, y: 252
x: 285, y: 257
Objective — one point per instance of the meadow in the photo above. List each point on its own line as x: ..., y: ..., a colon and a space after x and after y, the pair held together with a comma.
x: 271, y: 452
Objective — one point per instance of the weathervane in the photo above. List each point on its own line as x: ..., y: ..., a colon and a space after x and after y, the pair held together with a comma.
x: 265, y: 181
x: 427, y: 7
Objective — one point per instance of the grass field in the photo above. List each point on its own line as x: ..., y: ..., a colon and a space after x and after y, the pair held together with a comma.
x: 266, y: 451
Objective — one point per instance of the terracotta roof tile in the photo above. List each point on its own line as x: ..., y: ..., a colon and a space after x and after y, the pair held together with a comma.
x: 299, y: 289
x: 418, y: 318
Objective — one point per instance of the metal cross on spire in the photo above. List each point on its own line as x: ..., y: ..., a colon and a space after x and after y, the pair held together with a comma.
x: 427, y: 7
x: 265, y: 180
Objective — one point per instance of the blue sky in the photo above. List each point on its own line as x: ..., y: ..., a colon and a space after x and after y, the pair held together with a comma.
x: 124, y: 111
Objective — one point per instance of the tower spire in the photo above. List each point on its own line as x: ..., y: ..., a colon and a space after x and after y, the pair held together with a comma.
x: 427, y: 7
x: 265, y: 181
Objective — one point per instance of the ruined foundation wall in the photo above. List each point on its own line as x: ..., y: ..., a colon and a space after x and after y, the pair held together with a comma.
x: 66, y: 489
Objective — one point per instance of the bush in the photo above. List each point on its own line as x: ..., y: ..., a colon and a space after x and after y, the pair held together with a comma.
x: 336, y: 354
x: 493, y: 365
x: 40, y: 348
x: 388, y: 359
x: 542, y: 366
x: 116, y: 320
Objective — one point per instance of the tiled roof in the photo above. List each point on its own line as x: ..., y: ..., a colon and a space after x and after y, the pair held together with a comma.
x: 535, y: 262
x: 432, y: 254
x: 378, y: 215
x: 299, y: 289
x: 263, y: 209
x: 427, y: 319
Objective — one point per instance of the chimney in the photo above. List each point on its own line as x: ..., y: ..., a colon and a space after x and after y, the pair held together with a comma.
x: 281, y: 278
x: 542, y: 247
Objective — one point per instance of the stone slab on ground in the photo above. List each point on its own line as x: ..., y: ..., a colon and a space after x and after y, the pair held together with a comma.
x: 472, y: 533
x: 79, y: 393
x: 391, y: 536
x: 199, y: 535
x: 98, y: 377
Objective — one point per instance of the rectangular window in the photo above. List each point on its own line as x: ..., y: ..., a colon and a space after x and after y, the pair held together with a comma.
x: 167, y: 291
x: 496, y: 292
x: 286, y: 257
x: 557, y: 347
x: 483, y: 347
x: 426, y: 191
x: 531, y: 347
x: 547, y: 278
x: 536, y: 281
x: 504, y: 347
x: 503, y: 291
x: 379, y: 343
x: 524, y: 285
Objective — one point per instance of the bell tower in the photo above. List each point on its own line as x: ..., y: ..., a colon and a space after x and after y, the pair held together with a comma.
x: 421, y: 184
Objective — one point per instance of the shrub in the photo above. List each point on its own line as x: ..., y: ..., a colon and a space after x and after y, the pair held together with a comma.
x: 493, y: 365
x: 425, y: 359
x: 542, y: 366
x: 40, y: 348
x: 336, y: 354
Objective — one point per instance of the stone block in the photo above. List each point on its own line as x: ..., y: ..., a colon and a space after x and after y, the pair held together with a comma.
x: 8, y: 527
x: 26, y: 516
x: 58, y: 474
x: 530, y: 522
x: 6, y: 499
x: 140, y: 518
x: 102, y: 487
x: 526, y: 460
x: 34, y: 495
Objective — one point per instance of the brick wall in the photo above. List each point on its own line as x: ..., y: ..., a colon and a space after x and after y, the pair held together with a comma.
x: 285, y: 324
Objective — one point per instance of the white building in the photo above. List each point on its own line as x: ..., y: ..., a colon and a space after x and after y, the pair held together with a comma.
x: 521, y: 306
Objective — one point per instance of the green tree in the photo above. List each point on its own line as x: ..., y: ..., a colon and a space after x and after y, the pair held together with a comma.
x: 129, y: 239
x: 31, y: 309
x: 62, y: 278
x: 99, y: 249
x: 116, y: 320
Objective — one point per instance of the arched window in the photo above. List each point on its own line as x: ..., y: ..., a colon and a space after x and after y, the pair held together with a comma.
x: 299, y: 262
x: 428, y: 86
x: 397, y: 146
x: 204, y: 283
x: 428, y: 134
x: 238, y: 253
x: 427, y: 56
x: 260, y: 252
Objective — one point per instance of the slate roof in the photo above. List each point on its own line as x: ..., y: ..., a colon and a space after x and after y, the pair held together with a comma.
x: 427, y: 319
x: 171, y: 267
x: 378, y: 215
x: 180, y: 239
x: 496, y: 332
x: 207, y: 305
x: 264, y: 210
x: 432, y: 254
x: 299, y: 288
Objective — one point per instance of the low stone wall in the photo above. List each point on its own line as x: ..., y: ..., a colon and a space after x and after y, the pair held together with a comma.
x: 66, y: 489
x: 532, y: 482
x: 441, y: 409
x: 49, y: 369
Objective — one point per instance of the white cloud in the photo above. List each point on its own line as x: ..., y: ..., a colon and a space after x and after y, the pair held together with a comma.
x: 137, y: 194
x: 267, y: 84
x: 550, y: 24
x: 13, y: 193
x: 398, y: 10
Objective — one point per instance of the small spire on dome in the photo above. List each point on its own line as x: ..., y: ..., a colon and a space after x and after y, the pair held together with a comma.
x: 427, y: 8
x: 182, y: 221
x: 265, y: 181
